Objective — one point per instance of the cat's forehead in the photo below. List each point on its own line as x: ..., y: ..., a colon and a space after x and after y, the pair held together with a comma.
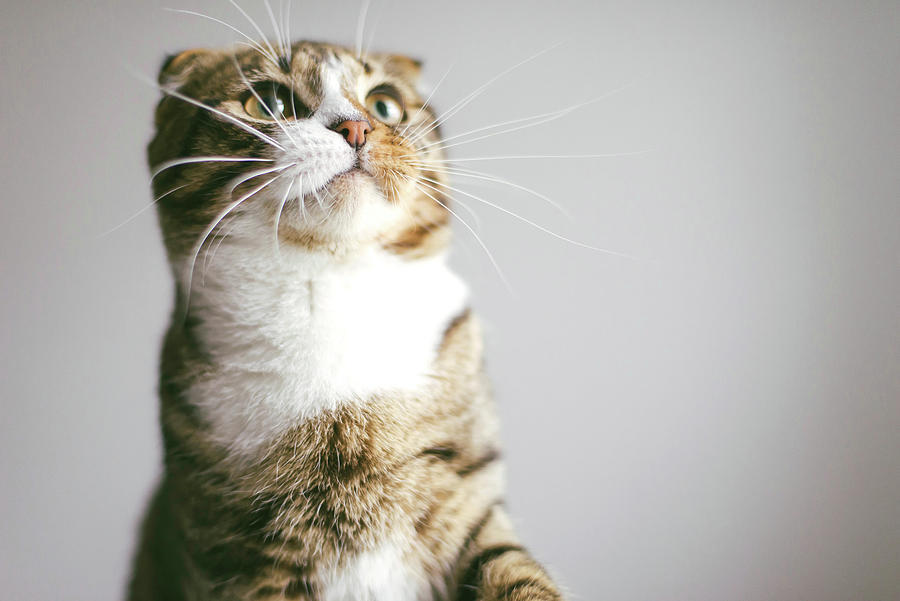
x: 317, y: 68
x: 307, y: 60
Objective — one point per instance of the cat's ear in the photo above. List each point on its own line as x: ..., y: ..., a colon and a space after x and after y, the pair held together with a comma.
x: 402, y: 66
x: 176, y: 66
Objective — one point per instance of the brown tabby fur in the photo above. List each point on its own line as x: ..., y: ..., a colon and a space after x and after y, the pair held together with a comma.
x: 423, y: 466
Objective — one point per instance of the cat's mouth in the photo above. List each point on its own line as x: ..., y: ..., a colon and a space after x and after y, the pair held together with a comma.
x: 349, y: 181
x: 357, y: 173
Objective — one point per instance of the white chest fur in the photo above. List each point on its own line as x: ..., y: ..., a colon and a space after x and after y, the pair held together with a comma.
x: 377, y: 575
x: 293, y: 336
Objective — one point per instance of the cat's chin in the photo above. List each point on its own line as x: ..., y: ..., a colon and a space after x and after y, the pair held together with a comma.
x: 351, y: 189
x: 349, y: 183
x: 349, y: 210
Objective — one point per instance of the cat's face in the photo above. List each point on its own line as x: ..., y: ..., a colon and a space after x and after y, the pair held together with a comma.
x: 331, y: 151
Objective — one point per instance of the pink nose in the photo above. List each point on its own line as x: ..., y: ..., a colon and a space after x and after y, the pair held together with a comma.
x: 354, y: 132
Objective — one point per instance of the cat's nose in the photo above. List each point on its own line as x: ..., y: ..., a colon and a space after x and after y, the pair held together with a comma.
x: 354, y: 132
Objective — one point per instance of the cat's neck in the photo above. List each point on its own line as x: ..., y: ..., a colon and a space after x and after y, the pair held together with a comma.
x: 293, y: 334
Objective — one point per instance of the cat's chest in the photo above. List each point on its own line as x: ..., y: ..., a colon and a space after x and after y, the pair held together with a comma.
x: 382, y: 574
x: 285, y: 347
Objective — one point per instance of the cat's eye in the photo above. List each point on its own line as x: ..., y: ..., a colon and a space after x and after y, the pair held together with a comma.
x: 271, y: 102
x: 386, y: 105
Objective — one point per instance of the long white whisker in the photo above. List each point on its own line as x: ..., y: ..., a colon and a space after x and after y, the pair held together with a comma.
x: 252, y: 43
x: 478, y: 91
x: 235, y: 120
x: 532, y: 121
x: 254, y: 174
x: 543, y: 156
x: 189, y: 270
x: 276, y: 28
x: 301, y: 199
x: 526, y: 220
x: 143, y: 210
x: 361, y: 26
x: 256, y: 27
x: 256, y: 95
x: 481, y: 243
x: 211, y: 250
x: 278, y: 216
x: 467, y: 208
x: 371, y: 38
x: 287, y: 29
x: 424, y: 104
x: 187, y: 160
x: 492, y: 178
x: 318, y: 196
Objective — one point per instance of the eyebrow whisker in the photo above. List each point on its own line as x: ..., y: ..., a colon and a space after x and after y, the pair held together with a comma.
x: 257, y: 28
x: 361, y: 26
x: 252, y: 43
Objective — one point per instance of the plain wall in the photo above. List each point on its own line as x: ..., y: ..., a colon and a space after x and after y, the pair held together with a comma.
x: 714, y: 419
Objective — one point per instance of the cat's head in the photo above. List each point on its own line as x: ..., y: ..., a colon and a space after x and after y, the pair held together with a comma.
x: 332, y: 151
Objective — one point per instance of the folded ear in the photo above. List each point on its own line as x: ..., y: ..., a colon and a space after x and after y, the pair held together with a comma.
x: 177, y: 66
x: 402, y: 66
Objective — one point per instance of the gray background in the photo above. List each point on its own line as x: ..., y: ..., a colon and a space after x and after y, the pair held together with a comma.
x: 717, y: 419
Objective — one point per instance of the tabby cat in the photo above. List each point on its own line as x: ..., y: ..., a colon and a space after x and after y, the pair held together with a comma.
x: 328, y: 429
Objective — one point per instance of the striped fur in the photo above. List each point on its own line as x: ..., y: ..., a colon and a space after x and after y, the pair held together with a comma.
x: 353, y: 485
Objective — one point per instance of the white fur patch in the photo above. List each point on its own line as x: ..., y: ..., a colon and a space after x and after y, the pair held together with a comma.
x: 293, y: 336
x: 334, y: 106
x: 378, y: 575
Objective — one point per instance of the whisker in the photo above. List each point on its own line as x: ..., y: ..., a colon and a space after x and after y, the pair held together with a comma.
x: 396, y: 194
x: 278, y: 122
x: 424, y: 104
x: 235, y: 120
x: 211, y: 251
x: 275, y: 28
x: 188, y: 160
x: 301, y: 199
x: 252, y: 43
x: 528, y: 221
x: 257, y: 28
x: 318, y: 197
x: 143, y: 210
x: 478, y: 91
x: 189, y: 270
x: 361, y: 26
x: 371, y: 38
x: 278, y: 216
x: 286, y: 19
x: 492, y: 178
x: 538, y: 120
x: 468, y: 227
x: 255, y: 174
x: 544, y: 156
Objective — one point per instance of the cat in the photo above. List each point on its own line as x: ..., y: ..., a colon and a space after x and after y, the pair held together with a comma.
x: 329, y: 431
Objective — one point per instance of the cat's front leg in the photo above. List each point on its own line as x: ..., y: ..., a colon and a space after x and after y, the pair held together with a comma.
x: 496, y: 567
